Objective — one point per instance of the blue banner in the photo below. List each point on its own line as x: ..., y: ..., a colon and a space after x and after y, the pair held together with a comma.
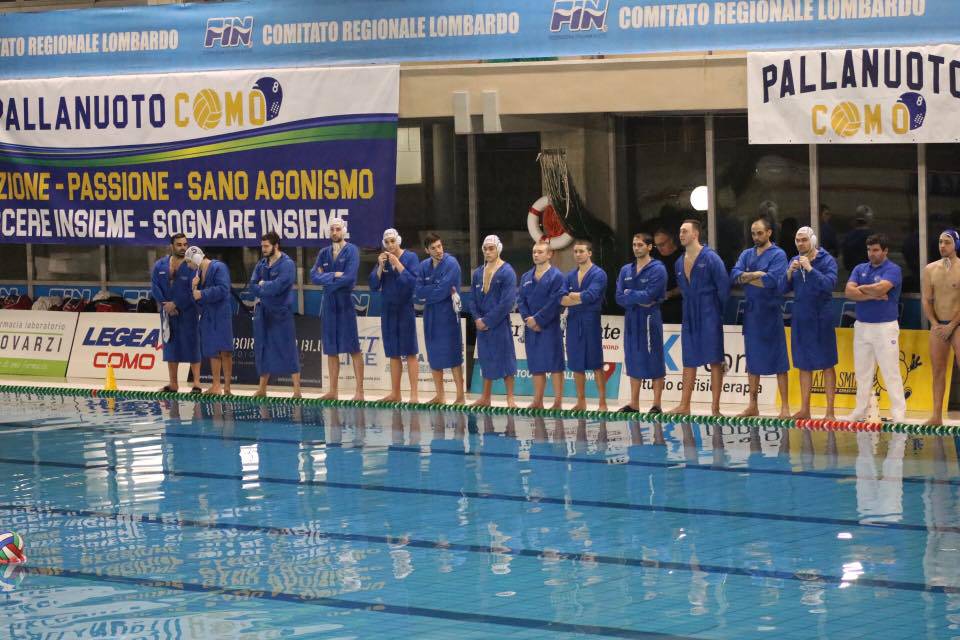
x: 222, y: 157
x: 289, y: 33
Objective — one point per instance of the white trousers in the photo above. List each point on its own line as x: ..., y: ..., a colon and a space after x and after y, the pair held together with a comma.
x: 878, y: 344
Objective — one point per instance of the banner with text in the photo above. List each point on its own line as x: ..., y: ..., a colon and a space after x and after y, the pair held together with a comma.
x: 915, y: 370
x: 376, y: 370
x: 128, y: 342
x: 735, y: 385
x: 222, y: 157
x: 854, y: 96
x: 295, y: 33
x: 36, y: 343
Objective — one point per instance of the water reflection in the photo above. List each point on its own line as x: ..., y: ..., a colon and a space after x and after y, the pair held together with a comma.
x: 653, y: 526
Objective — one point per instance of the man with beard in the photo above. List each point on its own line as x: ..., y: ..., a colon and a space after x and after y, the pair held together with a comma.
x: 274, y: 332
x: 336, y: 271
x: 759, y: 271
x: 172, y: 288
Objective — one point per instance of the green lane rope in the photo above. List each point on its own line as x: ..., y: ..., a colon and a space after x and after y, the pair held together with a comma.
x: 752, y: 421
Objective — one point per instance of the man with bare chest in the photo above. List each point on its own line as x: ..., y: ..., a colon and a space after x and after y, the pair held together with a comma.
x: 940, y: 290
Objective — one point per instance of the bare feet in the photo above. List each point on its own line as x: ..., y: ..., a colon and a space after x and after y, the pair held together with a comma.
x: 460, y: 399
x: 784, y: 413
x: 751, y: 410
x: 801, y: 415
x: 715, y: 410
x: 227, y: 391
x: 260, y: 394
x: 358, y: 394
x: 830, y: 416
x: 557, y: 405
x: 481, y: 402
x: 414, y: 399
x: 580, y: 406
x: 603, y: 406
x: 390, y: 397
x: 297, y: 394
x: 680, y: 409
x: 212, y: 392
x: 934, y: 420
x: 329, y: 395
x: 437, y: 399
x: 535, y: 405
x: 511, y: 403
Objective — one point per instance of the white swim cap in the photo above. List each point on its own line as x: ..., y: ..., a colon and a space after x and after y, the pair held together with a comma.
x: 493, y: 240
x: 194, y: 255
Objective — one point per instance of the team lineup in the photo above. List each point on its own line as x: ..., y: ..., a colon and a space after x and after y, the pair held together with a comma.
x: 561, y: 313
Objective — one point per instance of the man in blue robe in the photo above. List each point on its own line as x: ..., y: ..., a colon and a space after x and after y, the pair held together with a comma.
x: 211, y: 291
x: 539, y: 304
x: 760, y: 270
x: 336, y: 271
x: 705, y: 286
x: 641, y: 287
x: 812, y: 276
x: 395, y: 276
x: 438, y: 283
x: 494, y: 286
x: 274, y: 332
x: 584, y: 289
x: 172, y: 288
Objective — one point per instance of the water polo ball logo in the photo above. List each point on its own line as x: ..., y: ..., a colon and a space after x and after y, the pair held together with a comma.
x: 208, y: 108
x: 845, y: 119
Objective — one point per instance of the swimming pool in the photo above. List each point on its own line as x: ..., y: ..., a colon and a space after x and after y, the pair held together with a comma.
x: 176, y: 519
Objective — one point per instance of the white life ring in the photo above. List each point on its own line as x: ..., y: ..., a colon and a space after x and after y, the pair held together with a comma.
x: 558, y: 239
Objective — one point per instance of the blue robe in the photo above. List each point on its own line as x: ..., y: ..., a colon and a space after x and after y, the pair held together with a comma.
x: 541, y: 299
x: 338, y: 316
x: 216, y: 311
x: 495, y: 350
x: 184, y: 343
x: 584, y: 334
x: 764, y: 341
x: 813, y: 340
x: 398, y: 320
x: 704, y: 296
x: 274, y: 332
x: 640, y: 294
x: 441, y: 324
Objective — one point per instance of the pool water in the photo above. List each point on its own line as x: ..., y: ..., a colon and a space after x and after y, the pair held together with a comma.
x: 176, y: 519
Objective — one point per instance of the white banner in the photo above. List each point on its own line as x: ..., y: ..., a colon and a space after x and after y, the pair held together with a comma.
x: 129, y: 342
x: 36, y: 343
x: 376, y: 365
x: 172, y: 107
x: 735, y: 387
x: 854, y: 96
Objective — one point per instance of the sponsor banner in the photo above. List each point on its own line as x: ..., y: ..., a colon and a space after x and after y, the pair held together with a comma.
x: 223, y: 157
x: 129, y: 342
x: 854, y: 96
x: 36, y: 343
x: 735, y: 385
x: 295, y: 33
x: 376, y: 365
x: 612, y: 328
x: 245, y: 364
x: 915, y: 371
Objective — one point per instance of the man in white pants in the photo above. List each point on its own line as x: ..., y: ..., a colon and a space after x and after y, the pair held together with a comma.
x: 875, y: 287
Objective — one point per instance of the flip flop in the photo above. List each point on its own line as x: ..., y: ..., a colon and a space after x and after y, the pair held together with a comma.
x: 196, y: 390
x: 168, y: 389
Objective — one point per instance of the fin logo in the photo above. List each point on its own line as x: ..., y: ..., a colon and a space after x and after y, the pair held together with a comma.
x: 229, y: 32
x: 579, y: 15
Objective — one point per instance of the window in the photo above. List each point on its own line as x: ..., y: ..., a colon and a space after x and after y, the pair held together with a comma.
x: 755, y: 179
x: 868, y: 189
x: 132, y: 263
x: 14, y: 263
x: 66, y: 263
